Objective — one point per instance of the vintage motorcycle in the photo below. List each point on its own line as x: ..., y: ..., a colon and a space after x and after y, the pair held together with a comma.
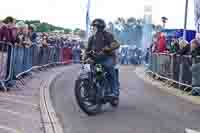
x: 92, y: 87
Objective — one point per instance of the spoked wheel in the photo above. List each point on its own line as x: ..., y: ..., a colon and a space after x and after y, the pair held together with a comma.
x: 86, y: 97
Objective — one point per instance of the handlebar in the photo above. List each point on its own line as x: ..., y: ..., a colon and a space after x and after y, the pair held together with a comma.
x: 94, y: 53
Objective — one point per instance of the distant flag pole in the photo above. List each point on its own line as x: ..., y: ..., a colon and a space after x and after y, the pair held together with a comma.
x: 88, y: 19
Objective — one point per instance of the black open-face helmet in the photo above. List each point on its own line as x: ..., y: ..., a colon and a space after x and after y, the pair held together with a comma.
x: 99, y: 23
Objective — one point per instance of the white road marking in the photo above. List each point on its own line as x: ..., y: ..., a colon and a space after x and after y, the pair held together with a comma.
x: 191, y: 131
x: 10, y: 129
x: 12, y: 95
x: 18, y: 101
x: 17, y: 114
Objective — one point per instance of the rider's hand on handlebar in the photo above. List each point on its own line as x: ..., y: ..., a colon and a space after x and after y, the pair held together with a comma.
x: 106, y: 49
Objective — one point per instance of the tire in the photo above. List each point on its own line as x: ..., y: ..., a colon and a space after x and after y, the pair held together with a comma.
x: 84, y: 108
x: 115, y: 103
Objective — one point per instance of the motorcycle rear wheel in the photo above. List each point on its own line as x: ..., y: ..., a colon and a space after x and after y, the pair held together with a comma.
x: 115, y: 102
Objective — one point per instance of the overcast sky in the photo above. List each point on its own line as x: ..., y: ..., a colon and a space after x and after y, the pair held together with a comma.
x: 71, y: 13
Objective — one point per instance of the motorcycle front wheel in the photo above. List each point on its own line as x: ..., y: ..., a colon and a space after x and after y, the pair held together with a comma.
x: 86, y: 97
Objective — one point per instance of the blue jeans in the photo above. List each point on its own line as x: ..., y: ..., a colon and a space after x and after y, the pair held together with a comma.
x: 108, y: 63
x: 117, y: 77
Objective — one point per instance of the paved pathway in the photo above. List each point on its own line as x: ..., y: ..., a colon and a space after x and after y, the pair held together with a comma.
x: 144, y: 108
x: 19, y: 108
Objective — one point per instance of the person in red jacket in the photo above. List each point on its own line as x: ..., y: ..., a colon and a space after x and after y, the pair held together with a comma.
x: 161, y: 43
x: 8, y: 30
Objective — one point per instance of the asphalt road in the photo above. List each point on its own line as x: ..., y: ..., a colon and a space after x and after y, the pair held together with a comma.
x: 143, y: 108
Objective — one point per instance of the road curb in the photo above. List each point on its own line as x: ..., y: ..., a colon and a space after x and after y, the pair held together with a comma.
x: 50, y: 120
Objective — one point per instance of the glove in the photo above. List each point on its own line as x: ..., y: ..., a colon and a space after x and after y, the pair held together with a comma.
x: 106, y: 50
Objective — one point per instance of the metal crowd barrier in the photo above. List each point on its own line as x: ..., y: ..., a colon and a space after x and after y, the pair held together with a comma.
x: 171, y: 67
x: 17, y: 61
x: 185, y: 70
x: 6, y: 59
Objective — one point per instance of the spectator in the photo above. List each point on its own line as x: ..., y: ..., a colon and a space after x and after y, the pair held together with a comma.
x: 124, y: 54
x: 27, y: 41
x: 154, y: 45
x: 140, y: 56
x: 8, y: 34
x: 32, y: 34
x: 168, y: 43
x: 151, y: 47
x: 45, y: 40
x: 21, y: 35
x: 51, y: 41
x: 174, y: 48
x: 161, y: 43
x: 131, y: 55
x: 6, y: 30
x: 38, y: 38
x: 195, y: 50
x: 184, y: 47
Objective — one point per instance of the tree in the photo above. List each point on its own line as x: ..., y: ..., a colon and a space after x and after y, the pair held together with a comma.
x: 45, y: 27
x: 67, y: 31
x: 32, y: 21
x: 76, y: 30
x: 81, y: 33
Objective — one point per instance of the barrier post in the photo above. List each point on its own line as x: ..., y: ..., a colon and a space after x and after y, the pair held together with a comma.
x: 172, y: 66
x: 181, y: 72
x: 34, y: 55
x: 150, y: 61
x: 6, y: 60
x: 19, y: 57
x: 157, y: 63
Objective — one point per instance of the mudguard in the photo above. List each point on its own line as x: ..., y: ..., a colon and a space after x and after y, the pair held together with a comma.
x: 84, y: 72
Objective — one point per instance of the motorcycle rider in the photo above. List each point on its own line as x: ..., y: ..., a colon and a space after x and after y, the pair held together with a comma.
x: 103, y: 42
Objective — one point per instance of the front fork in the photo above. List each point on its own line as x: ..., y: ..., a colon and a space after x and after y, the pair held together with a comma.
x: 95, y: 89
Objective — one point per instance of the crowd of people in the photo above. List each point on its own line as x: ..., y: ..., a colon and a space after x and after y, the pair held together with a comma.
x: 179, y: 46
x: 23, y: 35
x: 174, y: 45
x: 130, y: 55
